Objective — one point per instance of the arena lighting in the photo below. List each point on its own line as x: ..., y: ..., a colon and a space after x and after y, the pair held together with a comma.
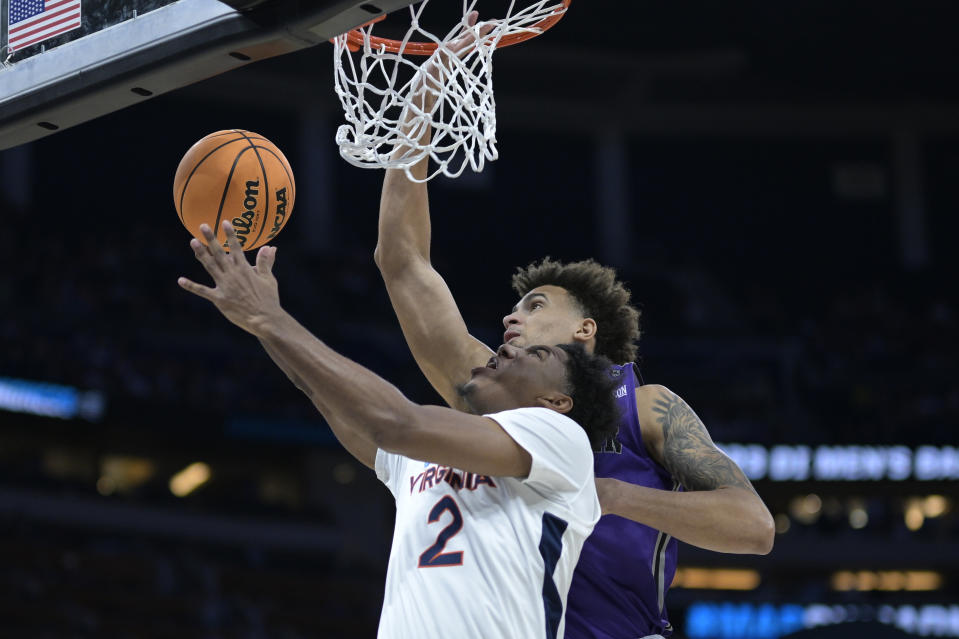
x: 189, y: 479
x: 106, y: 486
x: 886, y: 580
x: 845, y: 463
x: 746, y: 620
x: 805, y: 509
x: 858, y: 517
x: 857, y: 514
x: 716, y: 579
x: 49, y: 400
x: 782, y: 523
x: 935, y: 506
x: 123, y: 473
x: 923, y: 580
x: 913, y: 514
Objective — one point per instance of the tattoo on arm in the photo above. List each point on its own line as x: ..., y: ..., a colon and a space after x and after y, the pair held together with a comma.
x: 689, y: 453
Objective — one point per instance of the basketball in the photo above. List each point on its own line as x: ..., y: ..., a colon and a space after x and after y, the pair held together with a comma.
x: 238, y: 176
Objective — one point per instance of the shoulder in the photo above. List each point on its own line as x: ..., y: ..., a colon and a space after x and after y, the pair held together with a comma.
x: 537, y: 416
x: 389, y: 468
x: 651, y: 399
x: 533, y: 412
x: 543, y: 425
x: 561, y: 460
x: 648, y: 394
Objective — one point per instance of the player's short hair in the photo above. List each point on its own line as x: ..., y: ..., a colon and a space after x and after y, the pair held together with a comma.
x: 592, y: 389
x: 600, y: 297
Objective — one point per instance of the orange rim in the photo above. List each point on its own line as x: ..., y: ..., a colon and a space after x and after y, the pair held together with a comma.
x: 354, y: 38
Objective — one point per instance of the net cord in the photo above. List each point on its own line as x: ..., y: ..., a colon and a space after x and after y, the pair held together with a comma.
x: 384, y: 119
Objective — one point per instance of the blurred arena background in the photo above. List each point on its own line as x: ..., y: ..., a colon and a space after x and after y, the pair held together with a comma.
x: 778, y: 183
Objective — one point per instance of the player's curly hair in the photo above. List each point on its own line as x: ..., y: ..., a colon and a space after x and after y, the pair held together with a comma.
x: 591, y: 387
x: 600, y: 296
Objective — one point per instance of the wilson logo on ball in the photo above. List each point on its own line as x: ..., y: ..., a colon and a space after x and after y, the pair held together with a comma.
x: 243, y: 223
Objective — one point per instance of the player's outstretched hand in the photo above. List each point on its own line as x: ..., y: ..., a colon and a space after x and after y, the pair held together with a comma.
x: 247, y: 295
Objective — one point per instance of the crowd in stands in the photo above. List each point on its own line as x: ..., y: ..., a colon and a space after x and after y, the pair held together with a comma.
x: 59, y: 583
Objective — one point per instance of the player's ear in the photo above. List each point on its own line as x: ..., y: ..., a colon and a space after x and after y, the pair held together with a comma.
x: 560, y: 402
x: 586, y: 330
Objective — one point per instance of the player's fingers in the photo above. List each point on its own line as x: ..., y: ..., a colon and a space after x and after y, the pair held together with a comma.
x: 236, y: 251
x: 467, y: 37
x: 464, y: 45
x: 458, y: 48
x: 487, y: 28
x: 265, y: 258
x: 212, y: 245
x: 468, y: 41
x: 197, y: 289
x: 204, y: 256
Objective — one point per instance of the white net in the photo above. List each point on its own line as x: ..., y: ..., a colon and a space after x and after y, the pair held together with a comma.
x: 392, y: 100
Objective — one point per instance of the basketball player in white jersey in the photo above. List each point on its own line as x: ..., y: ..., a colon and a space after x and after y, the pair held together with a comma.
x: 493, y: 506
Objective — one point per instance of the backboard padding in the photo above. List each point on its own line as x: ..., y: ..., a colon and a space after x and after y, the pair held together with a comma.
x: 165, y: 49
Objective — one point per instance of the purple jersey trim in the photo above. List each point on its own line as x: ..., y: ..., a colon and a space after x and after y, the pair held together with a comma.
x: 625, y: 567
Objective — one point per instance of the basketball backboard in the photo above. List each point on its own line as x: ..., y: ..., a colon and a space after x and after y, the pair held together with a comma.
x: 75, y: 60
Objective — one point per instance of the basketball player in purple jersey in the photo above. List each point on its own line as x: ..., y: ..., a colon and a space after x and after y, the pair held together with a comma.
x: 662, y: 477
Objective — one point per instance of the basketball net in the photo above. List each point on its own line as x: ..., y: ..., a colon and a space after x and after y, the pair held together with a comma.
x: 381, y: 82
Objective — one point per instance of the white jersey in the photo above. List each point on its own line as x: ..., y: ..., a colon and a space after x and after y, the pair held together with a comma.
x: 477, y: 557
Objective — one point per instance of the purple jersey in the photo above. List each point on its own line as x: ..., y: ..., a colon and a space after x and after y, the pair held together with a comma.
x: 625, y: 567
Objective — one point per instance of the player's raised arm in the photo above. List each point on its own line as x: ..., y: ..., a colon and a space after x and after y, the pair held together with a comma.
x: 259, y: 290
x: 428, y: 314
x: 365, y: 412
x: 367, y: 408
x: 719, y: 509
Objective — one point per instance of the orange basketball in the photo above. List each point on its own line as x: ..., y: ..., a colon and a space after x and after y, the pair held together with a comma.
x: 238, y: 176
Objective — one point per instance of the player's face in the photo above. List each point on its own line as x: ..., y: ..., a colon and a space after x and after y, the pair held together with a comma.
x: 545, y: 315
x: 516, y: 378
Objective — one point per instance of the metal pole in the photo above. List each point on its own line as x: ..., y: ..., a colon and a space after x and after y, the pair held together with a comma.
x: 4, y: 18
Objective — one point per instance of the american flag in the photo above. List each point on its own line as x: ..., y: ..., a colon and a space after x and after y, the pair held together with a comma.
x: 33, y: 21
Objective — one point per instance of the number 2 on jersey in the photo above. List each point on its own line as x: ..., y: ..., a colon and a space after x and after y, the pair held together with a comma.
x: 434, y: 555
